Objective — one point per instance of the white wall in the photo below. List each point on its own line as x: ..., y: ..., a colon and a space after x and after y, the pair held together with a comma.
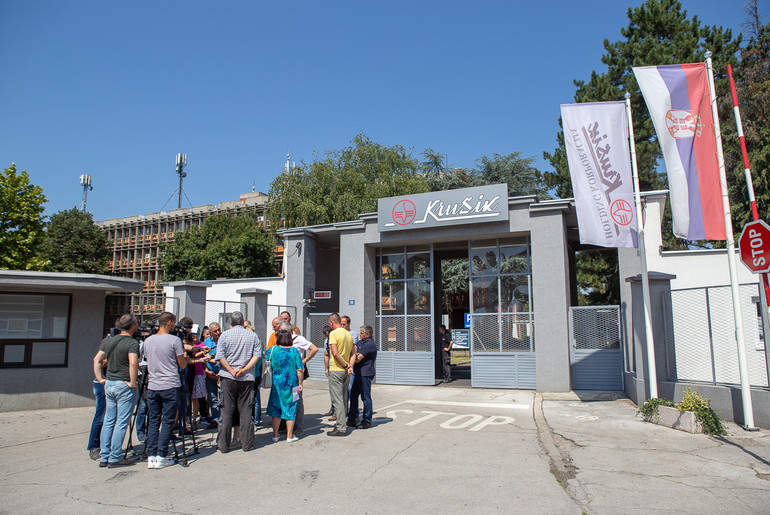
x: 693, y: 268
x: 226, y: 289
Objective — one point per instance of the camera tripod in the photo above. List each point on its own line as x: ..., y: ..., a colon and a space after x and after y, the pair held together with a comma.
x: 185, y: 422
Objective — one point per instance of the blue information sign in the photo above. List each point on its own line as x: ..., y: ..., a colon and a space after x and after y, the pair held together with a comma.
x: 467, y: 320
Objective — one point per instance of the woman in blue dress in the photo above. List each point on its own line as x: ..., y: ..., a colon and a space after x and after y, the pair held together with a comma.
x: 286, y: 366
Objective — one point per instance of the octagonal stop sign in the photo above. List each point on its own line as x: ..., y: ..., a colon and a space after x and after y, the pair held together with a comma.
x: 754, y: 245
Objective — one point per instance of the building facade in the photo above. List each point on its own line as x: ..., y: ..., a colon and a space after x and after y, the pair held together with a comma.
x: 135, y: 240
x: 384, y: 270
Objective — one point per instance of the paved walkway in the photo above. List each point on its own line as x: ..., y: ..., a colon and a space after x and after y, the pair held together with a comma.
x: 432, y: 449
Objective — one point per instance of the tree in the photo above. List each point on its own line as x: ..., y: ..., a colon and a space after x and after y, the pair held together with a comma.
x: 342, y: 184
x: 752, y: 81
x: 224, y: 246
x: 21, y: 221
x: 73, y: 243
x: 517, y: 172
x: 659, y: 32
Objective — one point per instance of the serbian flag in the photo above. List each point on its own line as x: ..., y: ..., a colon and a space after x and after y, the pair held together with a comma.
x: 679, y: 103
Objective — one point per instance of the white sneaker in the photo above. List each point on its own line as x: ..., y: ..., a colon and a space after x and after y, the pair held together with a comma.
x: 161, y: 462
x: 151, y: 462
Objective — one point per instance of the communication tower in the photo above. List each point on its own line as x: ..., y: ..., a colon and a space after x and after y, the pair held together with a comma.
x: 85, y: 181
x: 181, y: 162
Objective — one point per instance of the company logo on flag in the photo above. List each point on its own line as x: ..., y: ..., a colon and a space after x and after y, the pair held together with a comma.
x: 677, y: 97
x: 596, y: 138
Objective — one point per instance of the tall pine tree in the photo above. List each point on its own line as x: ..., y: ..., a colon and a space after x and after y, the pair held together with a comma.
x: 659, y: 32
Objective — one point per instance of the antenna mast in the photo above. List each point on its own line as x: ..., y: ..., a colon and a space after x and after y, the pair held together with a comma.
x: 181, y: 162
x: 85, y: 181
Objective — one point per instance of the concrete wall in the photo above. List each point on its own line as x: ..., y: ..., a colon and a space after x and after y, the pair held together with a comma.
x: 355, y: 277
x: 227, y: 289
x: 61, y: 387
x: 551, y: 299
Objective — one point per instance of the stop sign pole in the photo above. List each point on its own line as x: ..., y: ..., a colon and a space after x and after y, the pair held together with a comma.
x: 764, y: 293
x: 754, y: 245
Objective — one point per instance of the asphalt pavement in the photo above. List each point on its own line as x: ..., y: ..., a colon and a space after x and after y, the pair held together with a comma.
x: 432, y: 449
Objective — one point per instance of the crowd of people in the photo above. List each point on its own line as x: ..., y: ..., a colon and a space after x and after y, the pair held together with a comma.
x: 181, y: 379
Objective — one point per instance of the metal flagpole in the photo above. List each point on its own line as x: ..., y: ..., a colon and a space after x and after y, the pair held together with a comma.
x: 651, y: 367
x: 748, y: 410
x: 764, y: 293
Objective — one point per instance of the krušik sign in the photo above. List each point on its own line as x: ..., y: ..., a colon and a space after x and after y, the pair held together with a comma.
x: 440, y: 208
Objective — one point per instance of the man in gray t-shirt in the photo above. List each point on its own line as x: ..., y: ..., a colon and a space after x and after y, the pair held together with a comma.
x: 165, y: 356
x: 238, y: 351
x: 161, y: 351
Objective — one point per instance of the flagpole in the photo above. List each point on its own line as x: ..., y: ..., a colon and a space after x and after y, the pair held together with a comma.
x: 764, y: 290
x: 651, y: 366
x: 748, y: 410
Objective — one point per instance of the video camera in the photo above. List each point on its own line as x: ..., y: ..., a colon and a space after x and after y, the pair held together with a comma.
x: 184, y: 332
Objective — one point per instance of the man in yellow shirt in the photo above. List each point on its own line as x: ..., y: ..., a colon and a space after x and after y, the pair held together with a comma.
x: 343, y: 356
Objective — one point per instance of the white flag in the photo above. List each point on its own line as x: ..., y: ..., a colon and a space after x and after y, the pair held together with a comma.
x: 596, y: 138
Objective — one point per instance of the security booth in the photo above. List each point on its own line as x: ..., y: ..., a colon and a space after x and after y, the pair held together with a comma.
x: 384, y: 270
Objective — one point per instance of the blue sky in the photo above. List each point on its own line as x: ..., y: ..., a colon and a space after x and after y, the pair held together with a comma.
x: 116, y: 89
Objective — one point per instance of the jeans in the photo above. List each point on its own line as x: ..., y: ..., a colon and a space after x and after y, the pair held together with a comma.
x: 162, y: 407
x: 361, y: 386
x: 120, y: 399
x: 141, y: 417
x: 213, y: 391
x: 338, y: 389
x: 96, y: 425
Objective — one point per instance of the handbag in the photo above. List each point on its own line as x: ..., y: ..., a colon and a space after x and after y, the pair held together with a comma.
x: 267, y: 373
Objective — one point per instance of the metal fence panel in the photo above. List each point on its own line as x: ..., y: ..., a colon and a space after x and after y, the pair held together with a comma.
x: 273, y: 310
x: 220, y: 310
x: 511, y: 370
x: 146, y: 307
x: 595, y: 352
x: 701, y: 345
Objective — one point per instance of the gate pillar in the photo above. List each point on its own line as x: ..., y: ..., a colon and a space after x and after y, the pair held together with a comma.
x: 256, y: 305
x: 192, y: 299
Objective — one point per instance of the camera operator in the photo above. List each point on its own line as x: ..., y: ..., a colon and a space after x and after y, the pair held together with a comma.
x: 165, y: 355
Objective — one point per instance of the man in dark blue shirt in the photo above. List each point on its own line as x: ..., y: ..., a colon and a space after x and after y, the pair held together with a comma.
x: 366, y: 354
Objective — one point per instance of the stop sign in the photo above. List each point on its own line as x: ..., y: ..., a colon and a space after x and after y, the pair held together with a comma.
x: 754, y: 245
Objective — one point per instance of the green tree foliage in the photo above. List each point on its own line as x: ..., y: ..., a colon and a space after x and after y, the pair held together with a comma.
x: 659, y: 32
x: 224, y: 246
x: 73, y: 243
x: 517, y: 172
x: 341, y: 184
x: 454, y: 283
x: 21, y: 221
x: 752, y: 81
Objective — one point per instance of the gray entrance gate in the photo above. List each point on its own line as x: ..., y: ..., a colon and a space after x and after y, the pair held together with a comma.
x: 314, y: 332
x: 502, y: 343
x: 595, y: 351
x: 403, y: 326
